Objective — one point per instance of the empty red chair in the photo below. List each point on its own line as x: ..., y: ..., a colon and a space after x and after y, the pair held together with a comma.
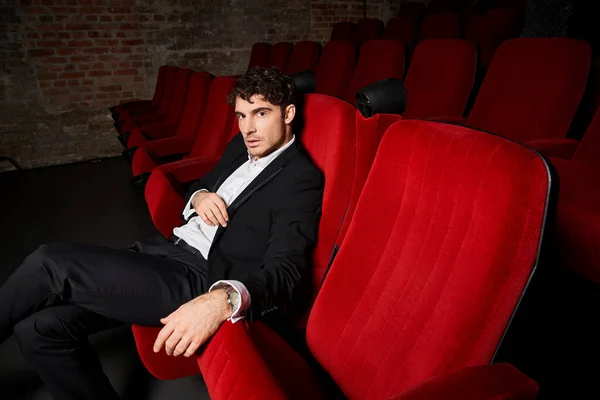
x: 442, y: 245
x: 172, y: 113
x: 335, y: 68
x: 368, y: 29
x: 305, y: 56
x: 280, y: 55
x: 208, y: 140
x: 146, y: 104
x: 532, y: 89
x: 193, y: 111
x: 379, y: 59
x: 402, y: 29
x: 343, y: 31
x: 259, y: 55
x: 164, y: 101
x: 333, y: 153
x: 440, y: 26
x: 440, y: 78
x: 488, y: 31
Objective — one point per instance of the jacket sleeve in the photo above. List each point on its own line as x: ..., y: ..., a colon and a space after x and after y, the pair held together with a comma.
x: 234, y: 148
x: 291, y: 240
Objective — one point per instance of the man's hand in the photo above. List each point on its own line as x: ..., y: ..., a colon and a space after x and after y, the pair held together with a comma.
x: 188, y: 327
x: 211, y: 208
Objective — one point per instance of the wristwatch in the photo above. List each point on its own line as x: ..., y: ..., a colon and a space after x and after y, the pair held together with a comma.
x: 233, y: 298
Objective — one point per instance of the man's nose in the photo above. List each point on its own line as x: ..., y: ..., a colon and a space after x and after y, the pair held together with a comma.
x: 248, y: 126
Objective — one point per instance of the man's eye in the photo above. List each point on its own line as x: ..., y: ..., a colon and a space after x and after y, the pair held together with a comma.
x: 239, y: 116
x: 261, y: 113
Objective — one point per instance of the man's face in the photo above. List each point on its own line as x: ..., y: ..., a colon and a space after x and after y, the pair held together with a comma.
x: 264, y: 127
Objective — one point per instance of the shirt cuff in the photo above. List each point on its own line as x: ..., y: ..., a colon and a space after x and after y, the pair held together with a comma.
x: 239, y: 309
x: 188, y: 209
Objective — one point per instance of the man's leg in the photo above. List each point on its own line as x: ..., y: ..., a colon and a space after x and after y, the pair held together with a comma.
x: 54, y: 341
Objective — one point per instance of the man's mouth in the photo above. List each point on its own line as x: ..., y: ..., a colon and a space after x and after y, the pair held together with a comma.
x: 252, y: 142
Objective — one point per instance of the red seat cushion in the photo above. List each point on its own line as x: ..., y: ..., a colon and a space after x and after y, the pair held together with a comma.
x: 440, y: 26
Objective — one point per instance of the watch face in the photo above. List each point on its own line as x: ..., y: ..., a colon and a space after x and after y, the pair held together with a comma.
x: 235, y: 299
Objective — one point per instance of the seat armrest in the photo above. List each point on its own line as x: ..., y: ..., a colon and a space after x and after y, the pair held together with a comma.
x: 248, y: 360
x: 159, y: 131
x: 497, y: 382
x: 189, y: 169
x: 555, y: 147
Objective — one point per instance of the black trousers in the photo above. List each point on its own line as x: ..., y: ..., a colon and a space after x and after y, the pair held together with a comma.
x: 64, y: 292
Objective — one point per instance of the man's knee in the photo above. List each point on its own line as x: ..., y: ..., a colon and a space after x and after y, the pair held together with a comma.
x: 40, y: 333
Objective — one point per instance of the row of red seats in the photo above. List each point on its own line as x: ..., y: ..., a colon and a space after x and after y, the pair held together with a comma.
x: 430, y: 244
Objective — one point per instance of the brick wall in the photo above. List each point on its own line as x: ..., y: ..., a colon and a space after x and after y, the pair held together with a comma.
x: 62, y: 62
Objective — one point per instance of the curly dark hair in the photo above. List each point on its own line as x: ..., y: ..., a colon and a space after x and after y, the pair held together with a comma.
x: 276, y: 87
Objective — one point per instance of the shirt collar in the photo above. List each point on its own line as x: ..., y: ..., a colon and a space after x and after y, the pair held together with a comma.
x: 266, y: 160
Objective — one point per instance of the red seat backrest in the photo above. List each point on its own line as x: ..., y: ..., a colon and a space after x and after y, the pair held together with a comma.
x: 379, y: 59
x: 215, y: 131
x: 180, y: 91
x: 589, y: 147
x: 440, y: 78
x: 488, y: 31
x: 533, y: 88
x: 259, y: 55
x: 169, y: 90
x: 443, y: 242
x: 280, y: 55
x: 328, y: 137
x: 335, y: 69
x: 368, y: 29
x: 440, y: 26
x: 403, y: 29
x: 195, y: 104
x: 343, y: 31
x: 305, y: 56
x: 160, y: 85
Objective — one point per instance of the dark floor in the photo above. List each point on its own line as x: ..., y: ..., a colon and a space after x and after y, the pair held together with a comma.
x: 88, y: 202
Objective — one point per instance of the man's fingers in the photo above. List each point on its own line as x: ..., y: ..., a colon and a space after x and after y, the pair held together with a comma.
x: 192, y: 348
x: 181, y: 347
x: 172, y: 342
x: 223, y: 209
x: 212, y: 217
x: 163, y: 335
x: 217, y: 213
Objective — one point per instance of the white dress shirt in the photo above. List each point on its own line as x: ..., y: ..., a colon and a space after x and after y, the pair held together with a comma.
x: 200, y: 235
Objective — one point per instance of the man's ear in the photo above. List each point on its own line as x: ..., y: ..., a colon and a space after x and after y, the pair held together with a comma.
x: 290, y: 113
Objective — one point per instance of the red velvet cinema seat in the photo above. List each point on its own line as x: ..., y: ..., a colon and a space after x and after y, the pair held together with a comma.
x: 532, y: 89
x: 335, y: 68
x: 164, y: 102
x: 193, y: 111
x: 342, y: 31
x: 440, y: 26
x: 259, y: 55
x: 207, y: 141
x: 578, y: 211
x: 279, y: 55
x: 440, y: 78
x: 368, y: 29
x: 305, y: 57
x: 379, y: 59
x: 328, y: 137
x: 144, y: 104
x: 403, y: 29
x: 441, y: 247
x: 173, y: 112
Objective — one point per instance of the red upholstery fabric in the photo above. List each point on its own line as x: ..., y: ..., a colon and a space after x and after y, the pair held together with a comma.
x: 193, y: 111
x: 259, y: 55
x: 173, y: 112
x: 368, y: 29
x: 165, y: 98
x: 440, y: 78
x: 158, y: 91
x: 335, y: 69
x: 443, y: 241
x: 498, y: 382
x: 342, y: 31
x: 440, y: 26
x: 379, y: 59
x: 532, y: 88
x: 305, y: 56
x: 403, y: 29
x: 555, y: 147
x: 491, y: 29
x: 369, y: 132
x: 211, y: 136
x: 280, y: 55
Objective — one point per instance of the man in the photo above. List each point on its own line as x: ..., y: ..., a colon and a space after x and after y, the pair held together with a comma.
x: 251, y: 223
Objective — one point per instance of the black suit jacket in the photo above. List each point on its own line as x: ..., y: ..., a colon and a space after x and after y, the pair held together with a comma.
x: 268, y: 241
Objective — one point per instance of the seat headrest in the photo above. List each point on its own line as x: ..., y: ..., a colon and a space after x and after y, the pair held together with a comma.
x: 304, y: 81
x: 387, y: 96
